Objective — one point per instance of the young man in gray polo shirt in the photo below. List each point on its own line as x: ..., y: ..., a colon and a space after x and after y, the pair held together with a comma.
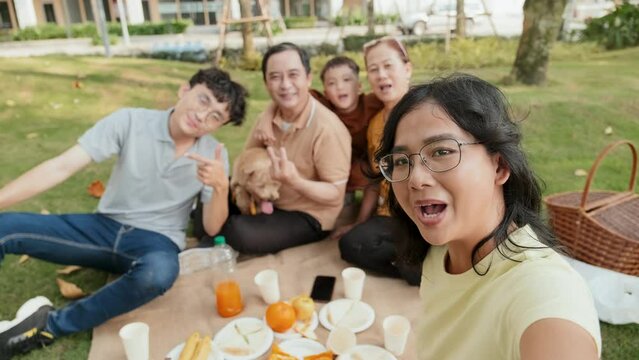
x: 165, y: 159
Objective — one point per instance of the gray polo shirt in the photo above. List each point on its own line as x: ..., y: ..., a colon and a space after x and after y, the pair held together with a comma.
x: 149, y: 188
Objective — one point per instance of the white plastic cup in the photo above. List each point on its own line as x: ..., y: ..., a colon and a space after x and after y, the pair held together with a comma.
x: 135, y: 338
x: 340, y: 339
x: 353, y: 282
x: 396, y: 329
x: 267, y: 282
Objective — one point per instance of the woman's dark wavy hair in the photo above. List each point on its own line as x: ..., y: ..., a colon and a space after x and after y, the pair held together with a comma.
x: 225, y: 90
x: 482, y: 110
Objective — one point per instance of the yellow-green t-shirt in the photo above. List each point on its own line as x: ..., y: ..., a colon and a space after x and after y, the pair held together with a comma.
x: 468, y: 316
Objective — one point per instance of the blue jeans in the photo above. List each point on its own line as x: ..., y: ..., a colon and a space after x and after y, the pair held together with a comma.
x: 147, y: 260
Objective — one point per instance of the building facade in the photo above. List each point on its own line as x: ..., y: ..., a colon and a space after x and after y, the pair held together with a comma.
x: 19, y: 14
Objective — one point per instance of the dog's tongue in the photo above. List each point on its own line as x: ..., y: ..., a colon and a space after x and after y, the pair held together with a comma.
x: 266, y: 207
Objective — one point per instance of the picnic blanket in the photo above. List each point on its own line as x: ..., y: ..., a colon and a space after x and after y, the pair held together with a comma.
x: 190, y: 304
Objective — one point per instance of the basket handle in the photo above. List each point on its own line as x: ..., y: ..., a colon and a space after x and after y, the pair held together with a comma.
x: 600, y: 157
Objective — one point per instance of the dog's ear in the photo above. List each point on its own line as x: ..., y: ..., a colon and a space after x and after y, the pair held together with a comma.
x: 249, y: 173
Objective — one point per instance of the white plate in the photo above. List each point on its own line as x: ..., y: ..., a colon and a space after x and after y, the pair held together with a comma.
x: 355, y: 315
x: 292, y: 334
x: 366, y: 352
x: 255, y: 339
x: 174, y: 354
x: 301, y: 347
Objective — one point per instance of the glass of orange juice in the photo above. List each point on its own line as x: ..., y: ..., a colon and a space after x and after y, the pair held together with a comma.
x: 229, y: 298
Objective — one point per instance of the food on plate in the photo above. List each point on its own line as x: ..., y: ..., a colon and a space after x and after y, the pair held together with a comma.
x: 326, y: 355
x: 203, y: 349
x: 304, y: 328
x: 189, y: 347
x: 278, y: 354
x: 243, y: 339
x: 304, y: 307
x: 280, y: 316
x: 237, y: 351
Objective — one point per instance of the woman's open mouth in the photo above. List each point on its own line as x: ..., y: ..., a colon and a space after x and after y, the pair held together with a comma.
x: 386, y: 88
x: 431, y: 213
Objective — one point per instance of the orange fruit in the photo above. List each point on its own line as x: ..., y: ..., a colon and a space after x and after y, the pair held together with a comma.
x: 280, y: 316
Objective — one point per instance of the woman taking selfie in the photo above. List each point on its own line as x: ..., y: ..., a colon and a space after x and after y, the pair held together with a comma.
x: 492, y: 286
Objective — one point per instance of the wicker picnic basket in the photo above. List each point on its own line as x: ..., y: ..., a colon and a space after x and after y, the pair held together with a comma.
x: 600, y: 228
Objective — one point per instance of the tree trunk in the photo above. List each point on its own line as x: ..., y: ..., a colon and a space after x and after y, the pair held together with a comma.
x: 542, y: 22
x: 247, y: 30
x: 370, y: 14
x: 460, y: 30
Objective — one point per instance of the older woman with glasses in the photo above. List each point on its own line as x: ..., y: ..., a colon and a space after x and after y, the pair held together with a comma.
x: 468, y: 204
x: 370, y: 241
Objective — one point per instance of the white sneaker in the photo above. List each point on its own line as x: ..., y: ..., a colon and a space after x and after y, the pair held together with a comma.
x: 29, y: 307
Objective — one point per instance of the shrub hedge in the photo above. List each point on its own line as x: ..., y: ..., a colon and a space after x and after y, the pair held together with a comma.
x: 616, y: 30
x: 53, y: 31
x: 299, y: 22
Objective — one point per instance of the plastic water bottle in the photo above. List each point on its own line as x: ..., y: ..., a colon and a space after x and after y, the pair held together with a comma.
x: 199, y: 259
x: 227, y: 290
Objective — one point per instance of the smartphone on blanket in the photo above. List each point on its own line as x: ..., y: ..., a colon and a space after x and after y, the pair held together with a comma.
x: 323, y: 288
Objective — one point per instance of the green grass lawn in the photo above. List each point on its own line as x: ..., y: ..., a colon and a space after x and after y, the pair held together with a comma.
x: 42, y: 114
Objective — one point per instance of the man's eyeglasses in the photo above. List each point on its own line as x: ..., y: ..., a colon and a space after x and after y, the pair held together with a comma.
x: 390, y: 40
x: 212, y: 116
x: 438, y: 156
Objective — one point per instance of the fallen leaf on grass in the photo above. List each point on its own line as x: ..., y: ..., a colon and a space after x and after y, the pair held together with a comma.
x: 96, y: 189
x: 55, y: 106
x: 10, y: 103
x: 44, y: 212
x: 69, y: 290
x: 68, y: 269
x: 608, y: 130
x: 77, y: 84
x: 23, y: 259
x: 581, y: 172
x: 32, y: 135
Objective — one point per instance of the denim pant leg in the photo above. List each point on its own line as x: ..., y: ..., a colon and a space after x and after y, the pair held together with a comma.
x: 76, y: 239
x: 147, y: 259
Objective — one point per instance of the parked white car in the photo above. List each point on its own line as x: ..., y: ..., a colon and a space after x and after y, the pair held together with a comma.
x: 472, y: 9
x: 578, y: 12
x: 414, y: 23
x: 439, y: 14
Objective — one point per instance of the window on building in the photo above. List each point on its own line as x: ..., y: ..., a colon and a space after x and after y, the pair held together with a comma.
x: 193, y: 10
x: 168, y: 9
x: 89, y: 10
x: 301, y: 8
x: 5, y: 18
x: 49, y: 13
x: 107, y: 10
x: 146, y: 10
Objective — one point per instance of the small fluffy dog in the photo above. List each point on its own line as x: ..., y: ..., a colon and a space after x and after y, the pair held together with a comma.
x: 253, y: 188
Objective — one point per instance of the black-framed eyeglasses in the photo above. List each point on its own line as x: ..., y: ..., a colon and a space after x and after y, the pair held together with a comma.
x: 212, y: 116
x: 439, y: 156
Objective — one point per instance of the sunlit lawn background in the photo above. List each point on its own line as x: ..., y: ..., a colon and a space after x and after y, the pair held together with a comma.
x: 42, y: 113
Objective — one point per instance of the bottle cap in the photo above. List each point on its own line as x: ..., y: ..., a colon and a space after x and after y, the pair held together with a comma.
x: 219, y: 240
